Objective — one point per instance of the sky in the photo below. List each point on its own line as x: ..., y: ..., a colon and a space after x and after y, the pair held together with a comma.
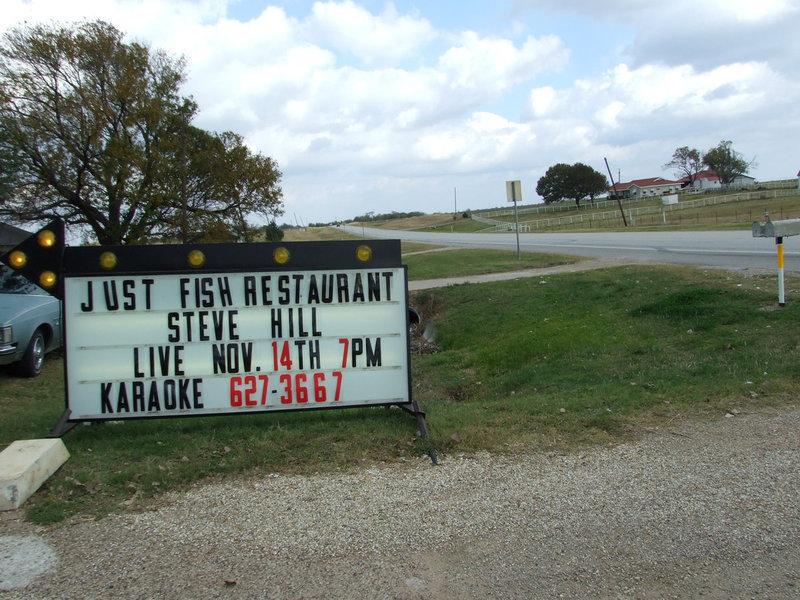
x: 432, y: 105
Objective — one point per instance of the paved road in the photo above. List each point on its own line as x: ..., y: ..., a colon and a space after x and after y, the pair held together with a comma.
x: 727, y: 249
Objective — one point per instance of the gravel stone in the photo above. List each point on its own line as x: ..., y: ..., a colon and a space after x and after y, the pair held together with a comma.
x: 697, y: 509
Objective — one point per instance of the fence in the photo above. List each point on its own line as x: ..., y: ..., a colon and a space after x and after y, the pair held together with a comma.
x: 688, y: 202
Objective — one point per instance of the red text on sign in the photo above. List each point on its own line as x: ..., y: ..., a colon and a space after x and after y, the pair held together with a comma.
x: 297, y: 389
x: 244, y: 390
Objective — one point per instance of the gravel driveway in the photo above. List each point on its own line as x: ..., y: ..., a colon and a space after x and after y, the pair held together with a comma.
x: 701, y: 509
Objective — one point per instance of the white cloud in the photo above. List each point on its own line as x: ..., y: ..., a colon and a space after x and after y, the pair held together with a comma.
x: 640, y: 115
x: 485, y: 140
x: 688, y: 10
x: 542, y: 101
x: 495, y: 63
x: 376, y: 40
x: 390, y: 110
x: 623, y: 94
x: 747, y: 10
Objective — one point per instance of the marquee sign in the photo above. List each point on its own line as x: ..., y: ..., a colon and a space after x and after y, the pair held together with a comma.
x: 157, y: 345
x: 209, y: 329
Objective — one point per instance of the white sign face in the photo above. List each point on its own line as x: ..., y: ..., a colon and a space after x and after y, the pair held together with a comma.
x: 514, y: 191
x: 223, y: 343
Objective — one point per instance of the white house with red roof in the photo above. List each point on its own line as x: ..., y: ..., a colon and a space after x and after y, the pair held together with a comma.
x: 645, y: 188
x: 709, y: 180
x: 658, y: 186
x: 703, y: 180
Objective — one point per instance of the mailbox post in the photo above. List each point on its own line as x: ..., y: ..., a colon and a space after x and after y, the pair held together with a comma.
x: 778, y: 230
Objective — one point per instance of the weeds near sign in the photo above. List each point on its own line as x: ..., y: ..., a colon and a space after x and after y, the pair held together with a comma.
x: 535, y: 364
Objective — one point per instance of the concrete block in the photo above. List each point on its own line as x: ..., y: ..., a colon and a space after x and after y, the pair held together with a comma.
x: 25, y: 465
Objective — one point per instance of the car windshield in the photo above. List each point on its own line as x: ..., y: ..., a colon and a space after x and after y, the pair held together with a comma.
x: 14, y: 283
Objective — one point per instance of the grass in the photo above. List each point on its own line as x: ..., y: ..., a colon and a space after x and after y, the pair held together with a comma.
x: 588, y: 357
x: 316, y: 234
x: 541, y: 363
x: 326, y: 234
x: 128, y: 464
x: 733, y: 215
x: 428, y: 222
x: 456, y: 226
x: 457, y: 263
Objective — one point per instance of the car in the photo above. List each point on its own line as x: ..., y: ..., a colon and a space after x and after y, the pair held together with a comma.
x: 30, y: 323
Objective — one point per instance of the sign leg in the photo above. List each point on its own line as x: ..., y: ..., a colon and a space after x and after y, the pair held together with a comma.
x: 415, y: 409
x: 64, y: 425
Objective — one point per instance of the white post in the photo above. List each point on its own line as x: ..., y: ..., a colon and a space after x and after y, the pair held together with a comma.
x: 781, y: 295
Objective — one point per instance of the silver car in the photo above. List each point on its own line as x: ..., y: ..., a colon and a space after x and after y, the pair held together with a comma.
x: 30, y: 323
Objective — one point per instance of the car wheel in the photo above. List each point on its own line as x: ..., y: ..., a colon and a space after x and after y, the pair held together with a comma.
x: 31, y: 363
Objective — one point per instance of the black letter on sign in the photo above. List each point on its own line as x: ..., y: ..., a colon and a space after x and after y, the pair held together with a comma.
x: 105, y: 398
x: 112, y: 302
x: 88, y: 306
x: 374, y: 354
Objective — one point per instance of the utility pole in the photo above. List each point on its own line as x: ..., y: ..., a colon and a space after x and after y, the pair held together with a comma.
x: 613, y: 185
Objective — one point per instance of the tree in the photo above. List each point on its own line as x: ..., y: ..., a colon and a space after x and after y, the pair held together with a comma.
x: 587, y: 182
x: 218, y: 181
x: 9, y: 165
x: 273, y: 233
x: 574, y: 182
x: 726, y: 162
x: 98, y: 135
x: 686, y: 162
x: 552, y: 186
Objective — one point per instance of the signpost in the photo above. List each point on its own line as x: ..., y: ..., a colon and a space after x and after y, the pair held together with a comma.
x: 211, y: 329
x: 514, y: 194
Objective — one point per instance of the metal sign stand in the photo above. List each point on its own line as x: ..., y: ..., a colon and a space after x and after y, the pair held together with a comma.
x: 778, y: 230
x: 415, y: 409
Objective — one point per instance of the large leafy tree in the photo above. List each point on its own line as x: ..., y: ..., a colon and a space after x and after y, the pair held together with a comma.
x: 726, y: 162
x: 552, y: 186
x: 216, y: 182
x: 587, y: 183
x: 9, y: 165
x: 573, y: 182
x: 93, y: 130
x: 686, y: 162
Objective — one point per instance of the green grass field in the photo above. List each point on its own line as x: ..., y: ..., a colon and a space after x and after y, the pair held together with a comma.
x: 540, y: 363
x: 732, y: 212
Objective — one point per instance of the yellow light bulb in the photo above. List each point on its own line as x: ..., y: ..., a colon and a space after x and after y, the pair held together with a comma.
x: 46, y: 238
x: 364, y: 253
x: 108, y: 260
x: 281, y: 255
x: 47, y: 279
x: 18, y: 259
x: 196, y: 258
